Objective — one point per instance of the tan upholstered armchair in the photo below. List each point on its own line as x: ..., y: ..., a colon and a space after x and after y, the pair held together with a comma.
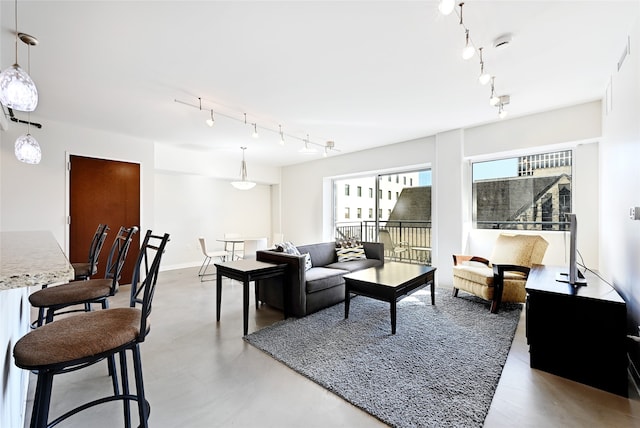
x: 504, y: 275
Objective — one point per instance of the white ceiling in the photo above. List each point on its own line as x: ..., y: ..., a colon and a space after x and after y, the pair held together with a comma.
x: 360, y: 73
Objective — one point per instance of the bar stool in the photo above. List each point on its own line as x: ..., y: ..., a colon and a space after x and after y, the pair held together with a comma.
x: 84, y: 271
x: 78, y: 341
x: 52, y: 299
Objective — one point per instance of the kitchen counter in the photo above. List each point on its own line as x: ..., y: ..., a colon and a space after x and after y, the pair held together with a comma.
x: 31, y: 258
x: 27, y: 259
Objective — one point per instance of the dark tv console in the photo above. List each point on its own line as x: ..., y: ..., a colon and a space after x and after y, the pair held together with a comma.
x: 577, y: 332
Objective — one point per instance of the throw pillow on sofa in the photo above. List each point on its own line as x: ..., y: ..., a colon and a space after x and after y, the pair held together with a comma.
x: 288, y: 247
x: 352, y: 253
x: 307, y: 262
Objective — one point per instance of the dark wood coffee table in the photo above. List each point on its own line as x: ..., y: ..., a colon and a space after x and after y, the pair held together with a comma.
x: 390, y: 283
x: 247, y: 271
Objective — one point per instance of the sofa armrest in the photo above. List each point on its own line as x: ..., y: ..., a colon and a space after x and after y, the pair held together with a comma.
x: 295, y: 275
x: 374, y: 250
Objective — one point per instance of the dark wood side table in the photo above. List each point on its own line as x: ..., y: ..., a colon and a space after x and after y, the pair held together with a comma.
x: 247, y: 271
x: 577, y: 332
x: 390, y: 283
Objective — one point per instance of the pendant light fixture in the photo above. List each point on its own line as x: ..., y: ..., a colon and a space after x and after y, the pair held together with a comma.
x: 243, y: 184
x: 27, y: 149
x: 493, y: 98
x: 17, y: 89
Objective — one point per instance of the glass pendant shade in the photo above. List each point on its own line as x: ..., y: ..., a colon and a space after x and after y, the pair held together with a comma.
x: 243, y: 184
x: 484, y: 78
x: 17, y: 90
x: 27, y: 150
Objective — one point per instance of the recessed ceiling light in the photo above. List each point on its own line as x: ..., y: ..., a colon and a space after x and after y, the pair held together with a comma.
x: 502, y: 41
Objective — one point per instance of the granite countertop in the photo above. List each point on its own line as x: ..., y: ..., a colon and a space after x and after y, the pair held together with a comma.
x: 32, y: 259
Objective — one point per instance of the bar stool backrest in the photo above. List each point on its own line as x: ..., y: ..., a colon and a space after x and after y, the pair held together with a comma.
x: 96, y: 246
x: 145, y: 276
x: 118, y: 255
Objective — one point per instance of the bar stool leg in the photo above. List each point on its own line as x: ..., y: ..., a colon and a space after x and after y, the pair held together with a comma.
x: 125, y: 388
x: 42, y: 400
x: 143, y: 409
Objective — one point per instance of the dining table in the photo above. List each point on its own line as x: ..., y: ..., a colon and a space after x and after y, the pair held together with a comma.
x: 233, y: 241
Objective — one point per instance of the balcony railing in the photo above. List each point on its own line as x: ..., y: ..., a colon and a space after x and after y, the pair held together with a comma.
x: 411, y: 239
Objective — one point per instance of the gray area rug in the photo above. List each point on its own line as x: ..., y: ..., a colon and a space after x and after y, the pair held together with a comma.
x: 440, y: 369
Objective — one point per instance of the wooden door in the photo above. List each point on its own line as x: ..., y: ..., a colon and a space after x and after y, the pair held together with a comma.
x: 103, y: 191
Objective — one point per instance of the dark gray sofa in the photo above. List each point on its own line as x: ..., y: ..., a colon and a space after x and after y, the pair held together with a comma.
x: 319, y: 287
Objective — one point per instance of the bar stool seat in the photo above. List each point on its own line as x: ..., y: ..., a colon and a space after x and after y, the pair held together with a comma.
x: 72, y: 340
x: 71, y: 293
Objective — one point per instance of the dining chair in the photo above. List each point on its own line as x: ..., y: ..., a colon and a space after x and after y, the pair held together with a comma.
x: 253, y: 245
x: 208, y: 255
x: 79, y: 341
x: 54, y: 299
x: 84, y: 270
x: 391, y: 249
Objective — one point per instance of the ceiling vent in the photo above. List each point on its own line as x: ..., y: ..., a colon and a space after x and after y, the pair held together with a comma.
x: 502, y: 41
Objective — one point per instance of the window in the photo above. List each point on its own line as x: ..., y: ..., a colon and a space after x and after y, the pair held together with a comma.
x: 380, y: 213
x: 397, y: 179
x: 359, y: 191
x: 347, y: 212
x: 346, y: 190
x: 371, y: 192
x: 370, y: 212
x: 397, y: 195
x: 379, y: 193
x: 404, y: 180
x: 410, y: 182
x: 529, y: 192
x: 389, y: 194
x: 359, y: 214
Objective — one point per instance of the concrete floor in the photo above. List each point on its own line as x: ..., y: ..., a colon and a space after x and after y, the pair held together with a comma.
x: 199, y: 373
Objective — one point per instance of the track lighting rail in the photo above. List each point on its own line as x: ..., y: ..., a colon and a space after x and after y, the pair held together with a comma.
x: 255, y: 127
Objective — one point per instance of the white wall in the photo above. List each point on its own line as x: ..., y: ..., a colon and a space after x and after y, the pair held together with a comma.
x: 190, y: 206
x: 620, y: 180
x: 306, y: 201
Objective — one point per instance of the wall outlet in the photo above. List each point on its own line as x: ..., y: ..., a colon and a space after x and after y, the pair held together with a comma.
x: 634, y: 213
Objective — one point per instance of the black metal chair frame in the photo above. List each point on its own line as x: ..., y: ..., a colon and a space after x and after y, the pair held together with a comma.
x: 143, y: 285
x: 94, y: 251
x: 113, y: 271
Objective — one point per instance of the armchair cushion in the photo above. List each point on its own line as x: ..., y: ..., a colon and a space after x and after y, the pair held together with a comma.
x: 520, y: 250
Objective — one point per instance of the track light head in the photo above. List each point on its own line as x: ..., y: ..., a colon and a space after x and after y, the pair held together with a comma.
x: 446, y: 6
x: 469, y: 51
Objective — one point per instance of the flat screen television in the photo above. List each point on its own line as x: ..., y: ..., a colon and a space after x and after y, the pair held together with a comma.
x: 573, y: 275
